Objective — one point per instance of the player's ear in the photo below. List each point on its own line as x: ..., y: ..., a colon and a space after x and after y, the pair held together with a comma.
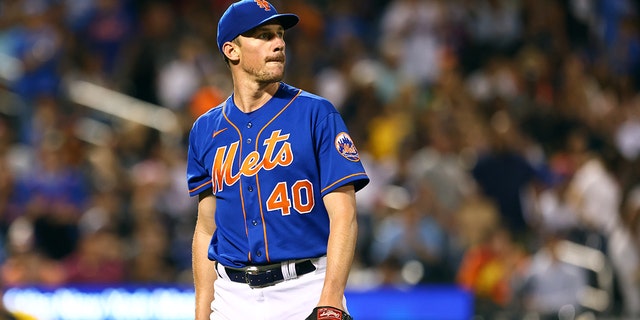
x: 230, y: 50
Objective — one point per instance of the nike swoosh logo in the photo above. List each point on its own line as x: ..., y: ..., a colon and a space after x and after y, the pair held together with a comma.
x: 215, y: 133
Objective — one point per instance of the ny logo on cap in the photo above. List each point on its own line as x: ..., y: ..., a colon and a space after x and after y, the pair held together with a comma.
x: 264, y: 4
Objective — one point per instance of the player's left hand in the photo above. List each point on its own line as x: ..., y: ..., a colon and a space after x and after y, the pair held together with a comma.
x: 328, y: 313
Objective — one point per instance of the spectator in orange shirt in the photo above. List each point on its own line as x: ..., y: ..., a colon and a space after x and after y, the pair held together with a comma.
x: 486, y: 270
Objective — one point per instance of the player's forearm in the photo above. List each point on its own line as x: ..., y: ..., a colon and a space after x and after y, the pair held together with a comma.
x: 204, y: 274
x: 340, y: 247
x: 339, y: 260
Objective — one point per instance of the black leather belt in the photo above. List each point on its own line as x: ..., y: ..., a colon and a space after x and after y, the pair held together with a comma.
x: 264, y: 276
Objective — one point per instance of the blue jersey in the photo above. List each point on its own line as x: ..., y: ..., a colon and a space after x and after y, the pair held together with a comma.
x: 269, y: 170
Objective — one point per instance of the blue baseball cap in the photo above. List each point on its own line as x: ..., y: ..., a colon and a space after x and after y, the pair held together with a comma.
x: 245, y: 15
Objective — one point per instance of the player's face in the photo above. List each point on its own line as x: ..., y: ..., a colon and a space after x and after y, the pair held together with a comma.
x: 262, y: 53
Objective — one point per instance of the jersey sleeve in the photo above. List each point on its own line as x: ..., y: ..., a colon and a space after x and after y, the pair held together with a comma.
x: 338, y: 156
x: 198, y: 178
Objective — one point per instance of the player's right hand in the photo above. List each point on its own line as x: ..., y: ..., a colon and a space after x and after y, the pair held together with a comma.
x: 328, y: 313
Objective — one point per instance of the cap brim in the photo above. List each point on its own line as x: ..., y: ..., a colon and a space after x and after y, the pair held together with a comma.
x: 287, y: 20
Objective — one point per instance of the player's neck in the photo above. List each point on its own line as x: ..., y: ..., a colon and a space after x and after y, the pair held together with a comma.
x: 249, y: 97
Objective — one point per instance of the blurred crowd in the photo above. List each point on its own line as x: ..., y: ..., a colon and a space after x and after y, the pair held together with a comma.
x: 502, y: 138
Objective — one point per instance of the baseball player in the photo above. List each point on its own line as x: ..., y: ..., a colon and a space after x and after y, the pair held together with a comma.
x: 276, y: 174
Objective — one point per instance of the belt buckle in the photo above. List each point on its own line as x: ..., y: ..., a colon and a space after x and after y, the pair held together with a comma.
x: 253, y: 271
x: 250, y: 271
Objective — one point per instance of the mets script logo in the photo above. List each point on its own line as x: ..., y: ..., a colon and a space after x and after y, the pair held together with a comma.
x: 264, y: 5
x: 277, y: 152
x: 346, y: 147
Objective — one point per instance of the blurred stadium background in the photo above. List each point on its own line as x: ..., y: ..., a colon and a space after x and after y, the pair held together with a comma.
x: 502, y: 138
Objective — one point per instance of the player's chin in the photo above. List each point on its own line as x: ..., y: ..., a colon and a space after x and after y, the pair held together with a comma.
x: 276, y: 69
x: 272, y: 76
